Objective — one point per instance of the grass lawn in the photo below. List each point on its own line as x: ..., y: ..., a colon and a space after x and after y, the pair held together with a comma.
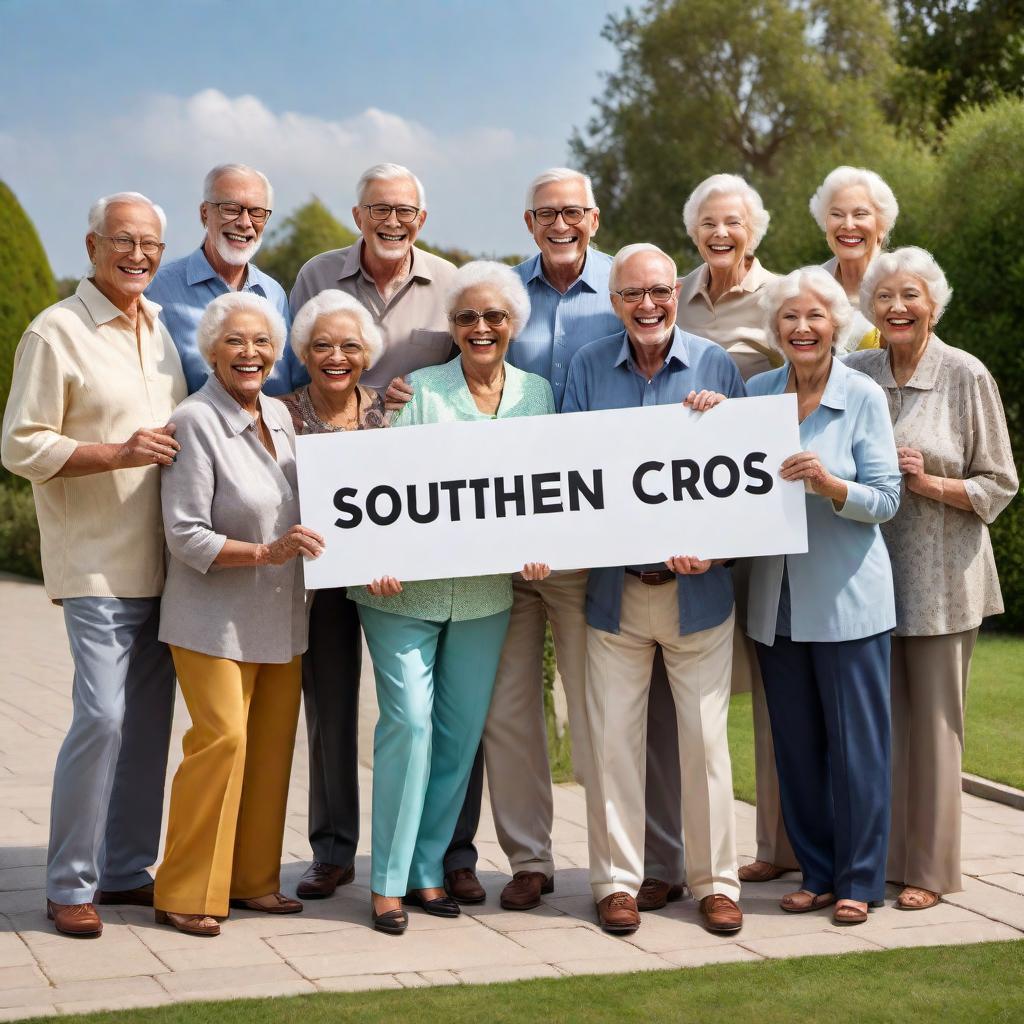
x: 955, y: 984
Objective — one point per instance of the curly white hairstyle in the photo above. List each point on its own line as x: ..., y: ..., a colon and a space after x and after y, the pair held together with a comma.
x: 882, y: 197
x: 499, y: 276
x: 332, y: 300
x: 910, y: 259
x: 98, y: 210
x: 211, y: 324
x: 728, y: 185
x: 822, y: 284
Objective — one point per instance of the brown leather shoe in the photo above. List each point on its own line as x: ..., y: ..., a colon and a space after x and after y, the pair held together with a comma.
x: 140, y: 897
x: 272, y: 903
x: 720, y: 913
x: 202, y: 925
x: 320, y: 880
x: 618, y: 914
x: 463, y: 886
x: 654, y: 894
x: 525, y: 890
x: 78, y: 920
x: 760, y: 871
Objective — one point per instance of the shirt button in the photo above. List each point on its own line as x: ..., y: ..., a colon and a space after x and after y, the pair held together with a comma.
x: 277, y: 590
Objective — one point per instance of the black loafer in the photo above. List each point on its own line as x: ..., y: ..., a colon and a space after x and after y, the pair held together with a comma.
x: 391, y: 922
x: 441, y: 906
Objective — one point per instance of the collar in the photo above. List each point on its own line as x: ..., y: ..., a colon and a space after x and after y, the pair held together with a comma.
x: 352, y: 263
x: 234, y: 416
x: 697, y: 284
x: 927, y: 372
x: 678, y: 350
x: 198, y: 270
x: 589, y: 278
x: 834, y: 395
x: 103, y: 311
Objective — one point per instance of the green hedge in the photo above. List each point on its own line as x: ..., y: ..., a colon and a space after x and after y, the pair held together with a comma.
x: 19, y: 535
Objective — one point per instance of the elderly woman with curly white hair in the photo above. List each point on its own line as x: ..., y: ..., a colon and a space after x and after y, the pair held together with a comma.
x: 857, y: 211
x: 436, y: 644
x: 234, y: 615
x: 958, y: 475
x: 821, y: 620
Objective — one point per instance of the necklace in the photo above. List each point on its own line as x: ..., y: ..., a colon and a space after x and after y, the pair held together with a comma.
x: 309, y: 414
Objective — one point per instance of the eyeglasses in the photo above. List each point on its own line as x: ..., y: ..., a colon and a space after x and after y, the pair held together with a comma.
x: 122, y: 243
x: 346, y: 348
x: 658, y: 293
x: 232, y: 211
x: 381, y: 211
x: 471, y: 317
x: 570, y: 214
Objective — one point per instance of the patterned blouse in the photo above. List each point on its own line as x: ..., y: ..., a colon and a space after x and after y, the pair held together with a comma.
x: 942, y: 562
x: 371, y: 411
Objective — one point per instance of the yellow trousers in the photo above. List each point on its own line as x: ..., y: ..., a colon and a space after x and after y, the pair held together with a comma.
x: 229, y: 795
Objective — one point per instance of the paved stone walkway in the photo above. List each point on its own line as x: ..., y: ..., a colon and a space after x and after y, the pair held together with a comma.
x: 332, y: 946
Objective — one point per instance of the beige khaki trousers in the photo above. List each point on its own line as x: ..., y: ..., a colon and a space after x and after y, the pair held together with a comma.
x: 618, y: 682
x: 929, y: 691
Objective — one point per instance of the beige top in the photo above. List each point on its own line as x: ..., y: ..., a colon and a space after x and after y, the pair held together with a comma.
x: 735, y: 322
x: 413, y: 322
x: 942, y: 562
x: 81, y: 376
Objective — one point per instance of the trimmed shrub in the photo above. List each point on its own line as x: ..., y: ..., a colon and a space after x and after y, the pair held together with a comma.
x: 19, y: 534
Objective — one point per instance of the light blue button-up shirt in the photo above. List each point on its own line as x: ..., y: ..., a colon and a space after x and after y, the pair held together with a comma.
x: 604, y: 376
x: 562, y: 323
x: 186, y: 286
x: 841, y: 589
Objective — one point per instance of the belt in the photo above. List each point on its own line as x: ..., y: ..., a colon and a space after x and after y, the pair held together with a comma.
x: 653, y: 578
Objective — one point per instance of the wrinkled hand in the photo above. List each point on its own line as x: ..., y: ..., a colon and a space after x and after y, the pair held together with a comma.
x: 397, y: 394
x: 688, y: 565
x: 536, y: 571
x: 701, y: 401
x: 386, y: 586
x: 149, y: 446
x: 808, y: 467
x: 297, y: 541
x: 911, y: 461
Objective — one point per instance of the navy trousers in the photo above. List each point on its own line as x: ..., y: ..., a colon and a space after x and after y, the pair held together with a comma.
x: 829, y: 709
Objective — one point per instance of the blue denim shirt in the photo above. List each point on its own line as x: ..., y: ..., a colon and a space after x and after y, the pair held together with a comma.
x: 604, y: 376
x: 186, y: 286
x: 562, y: 323
x: 841, y: 589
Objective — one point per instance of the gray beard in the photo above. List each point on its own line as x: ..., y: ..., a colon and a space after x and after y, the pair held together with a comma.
x: 236, y: 257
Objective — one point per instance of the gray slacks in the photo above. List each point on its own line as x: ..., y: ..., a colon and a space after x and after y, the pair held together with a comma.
x: 108, y: 784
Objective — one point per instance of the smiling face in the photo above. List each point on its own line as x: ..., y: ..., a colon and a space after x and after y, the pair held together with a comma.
x: 851, y: 224
x: 336, y: 356
x: 243, y: 355
x: 648, y: 323
x: 902, y: 309
x: 562, y: 246
x: 124, y: 276
x: 482, y: 345
x: 806, y: 330
x: 722, y: 233
x: 388, y: 240
x: 235, y: 241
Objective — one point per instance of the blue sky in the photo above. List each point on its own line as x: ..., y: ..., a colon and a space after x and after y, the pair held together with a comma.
x: 475, y: 96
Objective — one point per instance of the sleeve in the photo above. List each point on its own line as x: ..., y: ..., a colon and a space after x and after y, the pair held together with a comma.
x: 548, y: 397
x: 186, y: 498
x: 301, y: 292
x: 990, y: 477
x: 874, y: 496
x: 575, y: 398
x: 734, y: 381
x: 33, y: 446
x: 411, y: 414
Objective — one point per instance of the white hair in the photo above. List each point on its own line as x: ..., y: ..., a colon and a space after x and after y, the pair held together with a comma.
x: 499, y: 276
x: 728, y: 185
x: 389, y: 172
x: 210, y: 181
x: 98, y: 210
x: 553, y: 174
x: 211, y: 324
x: 908, y: 260
x: 882, y: 198
x: 628, y: 251
x: 822, y: 284
x: 332, y: 300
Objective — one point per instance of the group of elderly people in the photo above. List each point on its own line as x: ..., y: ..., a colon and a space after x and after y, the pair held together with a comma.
x: 172, y: 537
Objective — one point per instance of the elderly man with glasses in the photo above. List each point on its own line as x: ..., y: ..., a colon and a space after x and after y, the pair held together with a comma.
x: 234, y: 213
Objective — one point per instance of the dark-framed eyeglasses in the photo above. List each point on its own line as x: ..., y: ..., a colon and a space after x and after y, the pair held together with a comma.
x: 471, y: 317
x: 346, y: 348
x: 381, y: 211
x: 570, y: 214
x: 122, y: 243
x: 658, y: 293
x: 232, y: 211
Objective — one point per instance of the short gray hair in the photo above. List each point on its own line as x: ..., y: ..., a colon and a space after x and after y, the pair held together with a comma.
x: 389, y: 172
x: 808, y: 279
x: 221, y: 169
x: 728, y: 185
x: 98, y: 210
x: 499, y: 276
x: 333, y: 300
x: 882, y: 197
x: 217, y: 312
x: 553, y: 174
x: 908, y: 260
x: 628, y: 251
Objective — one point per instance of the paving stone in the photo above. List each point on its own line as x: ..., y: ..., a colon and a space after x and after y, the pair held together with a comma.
x: 24, y: 976
x: 410, y: 979
x: 990, y: 901
x: 208, y: 983
x: 1011, y: 880
x: 17, y: 1013
x: 359, y: 983
x: 523, y: 972
x: 13, y: 951
x: 581, y: 943
x: 614, y: 965
x: 701, y: 955
x: 815, y: 944
x: 438, y: 977
x: 978, y: 930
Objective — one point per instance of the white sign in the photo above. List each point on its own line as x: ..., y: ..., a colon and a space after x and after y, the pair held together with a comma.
x: 619, y: 487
